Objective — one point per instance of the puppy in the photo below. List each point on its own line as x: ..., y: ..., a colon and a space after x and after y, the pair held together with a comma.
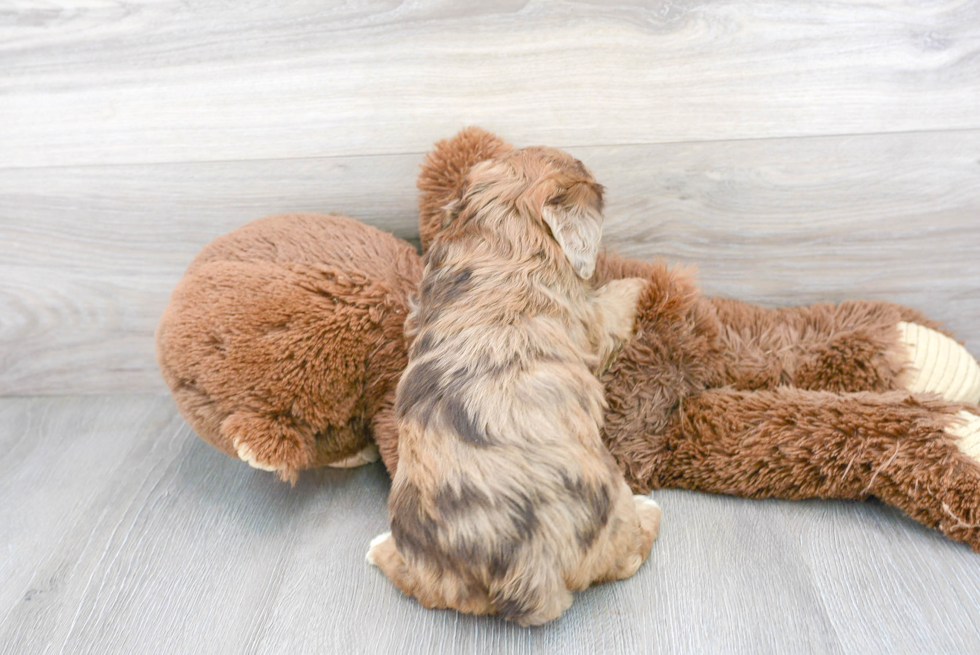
x: 505, y: 499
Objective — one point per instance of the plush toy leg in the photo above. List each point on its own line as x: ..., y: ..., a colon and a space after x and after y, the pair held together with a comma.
x: 917, y: 453
x: 270, y: 443
x: 853, y: 346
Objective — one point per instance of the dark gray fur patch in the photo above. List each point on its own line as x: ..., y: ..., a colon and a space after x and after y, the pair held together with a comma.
x: 463, y: 423
x: 523, y: 515
x: 598, y: 204
x: 512, y: 521
x: 413, y: 529
x: 513, y: 607
x: 597, y: 502
x: 439, y: 289
x: 429, y: 388
x: 425, y: 342
x: 423, y: 383
x: 452, y: 503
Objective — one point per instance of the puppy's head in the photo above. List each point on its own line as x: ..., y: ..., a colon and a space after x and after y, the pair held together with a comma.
x: 547, y: 186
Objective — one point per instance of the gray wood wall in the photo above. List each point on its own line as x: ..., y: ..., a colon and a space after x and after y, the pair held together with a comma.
x: 797, y: 152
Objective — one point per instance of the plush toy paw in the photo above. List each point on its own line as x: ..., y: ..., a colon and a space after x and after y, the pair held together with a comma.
x: 247, y: 455
x: 374, y: 545
x: 367, y: 455
x: 967, y: 434
x: 939, y: 365
x: 269, y: 444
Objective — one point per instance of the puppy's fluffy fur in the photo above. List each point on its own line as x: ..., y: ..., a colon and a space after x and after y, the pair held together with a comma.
x: 505, y: 499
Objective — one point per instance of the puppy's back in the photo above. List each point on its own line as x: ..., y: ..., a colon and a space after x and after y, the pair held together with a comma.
x: 503, y: 479
x: 505, y: 497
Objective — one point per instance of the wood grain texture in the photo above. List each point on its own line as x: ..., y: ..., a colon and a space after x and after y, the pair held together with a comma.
x: 170, y: 81
x: 124, y: 533
x: 89, y: 254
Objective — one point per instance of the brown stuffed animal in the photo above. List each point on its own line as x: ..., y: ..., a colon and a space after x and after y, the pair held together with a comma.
x: 283, y: 344
x: 284, y: 337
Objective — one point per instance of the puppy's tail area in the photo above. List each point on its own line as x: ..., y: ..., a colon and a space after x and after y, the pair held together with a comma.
x: 533, y: 598
x: 444, y: 171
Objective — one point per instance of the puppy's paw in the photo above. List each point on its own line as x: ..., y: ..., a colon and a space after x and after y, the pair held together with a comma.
x: 618, y: 299
x: 966, y: 432
x: 645, y: 501
x: 649, y: 513
x: 375, y: 544
x: 367, y: 455
x: 939, y: 365
x: 617, y: 304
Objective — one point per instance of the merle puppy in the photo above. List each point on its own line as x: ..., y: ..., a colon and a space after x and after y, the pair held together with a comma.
x: 505, y: 499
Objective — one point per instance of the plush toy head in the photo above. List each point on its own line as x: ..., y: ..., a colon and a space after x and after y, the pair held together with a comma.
x: 444, y: 172
x: 284, y: 339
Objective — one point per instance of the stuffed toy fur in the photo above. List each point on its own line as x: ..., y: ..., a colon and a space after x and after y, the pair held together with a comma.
x: 283, y: 344
x: 284, y: 337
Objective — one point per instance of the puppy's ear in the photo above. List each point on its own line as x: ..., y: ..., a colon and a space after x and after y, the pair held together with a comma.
x: 574, y: 214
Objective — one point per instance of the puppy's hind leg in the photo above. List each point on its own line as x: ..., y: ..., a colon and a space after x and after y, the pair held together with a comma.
x: 384, y: 554
x: 433, y: 590
x: 648, y: 511
x: 630, y: 546
x: 531, y: 598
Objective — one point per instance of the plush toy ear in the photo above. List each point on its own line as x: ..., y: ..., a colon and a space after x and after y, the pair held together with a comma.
x: 574, y: 215
x: 444, y: 171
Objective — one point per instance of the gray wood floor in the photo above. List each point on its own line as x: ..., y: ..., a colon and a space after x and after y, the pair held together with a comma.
x: 795, y: 152
x: 124, y: 533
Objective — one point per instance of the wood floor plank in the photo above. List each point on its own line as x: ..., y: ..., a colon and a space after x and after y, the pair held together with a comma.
x: 874, y: 569
x: 57, y: 453
x: 90, y: 254
x: 168, y: 81
x: 133, y: 571
x: 137, y: 537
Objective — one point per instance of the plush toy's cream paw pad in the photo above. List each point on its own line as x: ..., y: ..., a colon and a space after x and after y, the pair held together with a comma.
x: 366, y: 456
x: 374, y: 544
x: 967, y: 434
x: 249, y: 457
x: 940, y: 365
